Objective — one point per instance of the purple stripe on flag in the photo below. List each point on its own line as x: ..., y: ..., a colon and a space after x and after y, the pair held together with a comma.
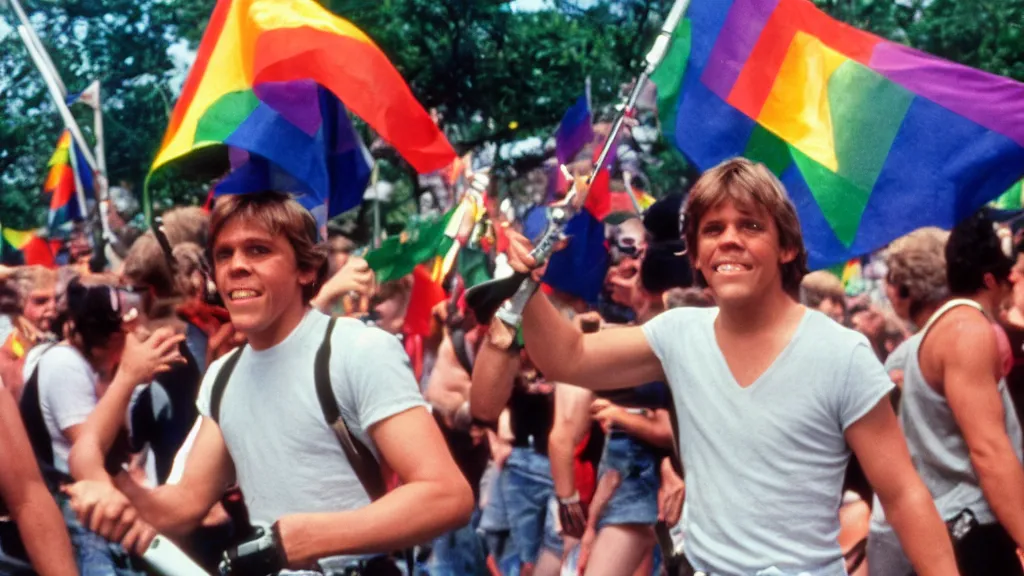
x: 992, y: 101
x: 574, y: 132
x: 735, y: 42
x: 296, y: 101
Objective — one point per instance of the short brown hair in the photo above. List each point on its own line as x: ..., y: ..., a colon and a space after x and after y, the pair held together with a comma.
x: 25, y: 279
x: 748, y: 184
x: 917, y: 266
x: 279, y: 215
x: 146, y: 265
x: 822, y: 285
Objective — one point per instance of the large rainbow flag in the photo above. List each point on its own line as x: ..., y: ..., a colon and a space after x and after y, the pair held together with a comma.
x: 257, y: 63
x: 871, y: 138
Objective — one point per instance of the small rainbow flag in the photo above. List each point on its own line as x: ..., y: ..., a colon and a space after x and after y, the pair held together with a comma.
x: 259, y: 59
x: 60, y: 182
x: 1012, y: 199
x: 872, y: 139
x: 24, y: 247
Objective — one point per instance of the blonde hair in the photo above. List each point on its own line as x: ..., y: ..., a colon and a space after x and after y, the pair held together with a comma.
x: 917, y: 266
x: 25, y: 279
x: 278, y: 215
x: 748, y: 184
x: 819, y: 286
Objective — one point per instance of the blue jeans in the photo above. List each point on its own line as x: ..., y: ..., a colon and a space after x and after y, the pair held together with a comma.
x: 94, y: 555
x: 635, y: 501
x: 529, y: 493
x: 495, y: 529
x: 459, y: 552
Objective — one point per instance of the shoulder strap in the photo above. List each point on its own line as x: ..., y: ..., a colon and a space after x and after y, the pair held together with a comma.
x: 946, y: 308
x: 458, y: 336
x: 217, y: 392
x: 359, y: 456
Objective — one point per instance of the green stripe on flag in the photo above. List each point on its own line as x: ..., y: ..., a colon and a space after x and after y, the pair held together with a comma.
x: 1011, y: 199
x: 668, y: 78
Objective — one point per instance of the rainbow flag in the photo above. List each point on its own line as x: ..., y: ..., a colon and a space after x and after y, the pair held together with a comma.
x: 60, y: 182
x: 255, y: 64
x: 574, y: 131
x: 24, y: 248
x: 871, y: 138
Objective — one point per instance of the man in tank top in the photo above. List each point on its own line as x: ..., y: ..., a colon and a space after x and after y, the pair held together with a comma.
x: 960, y: 423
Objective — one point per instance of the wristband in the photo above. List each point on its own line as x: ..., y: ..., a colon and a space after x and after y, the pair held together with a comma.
x: 574, y: 499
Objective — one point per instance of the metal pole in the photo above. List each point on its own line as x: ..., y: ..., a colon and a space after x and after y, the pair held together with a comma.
x: 58, y: 98
x: 34, y: 39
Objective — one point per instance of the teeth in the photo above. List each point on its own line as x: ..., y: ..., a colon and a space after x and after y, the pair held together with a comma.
x: 237, y: 294
x: 729, y: 268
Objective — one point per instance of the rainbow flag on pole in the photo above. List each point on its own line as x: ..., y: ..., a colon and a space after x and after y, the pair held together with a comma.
x: 61, y: 185
x: 871, y: 138
x: 261, y: 62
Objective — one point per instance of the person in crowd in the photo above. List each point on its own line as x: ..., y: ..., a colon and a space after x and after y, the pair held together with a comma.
x: 783, y: 381
x: 263, y: 427
x: 25, y: 497
x: 62, y: 384
x: 957, y: 414
x: 31, y: 320
x: 823, y: 292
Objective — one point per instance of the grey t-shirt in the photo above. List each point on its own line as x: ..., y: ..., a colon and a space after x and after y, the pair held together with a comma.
x: 67, y: 393
x: 765, y: 464
x: 287, y: 460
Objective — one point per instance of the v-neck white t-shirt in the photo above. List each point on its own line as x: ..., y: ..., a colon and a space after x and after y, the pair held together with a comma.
x: 765, y: 464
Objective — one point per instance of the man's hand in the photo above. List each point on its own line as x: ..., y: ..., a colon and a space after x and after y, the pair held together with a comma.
x: 354, y: 276
x: 586, y: 546
x: 572, y: 516
x: 605, y: 413
x: 104, y: 510
x: 144, y: 359
x: 671, y: 494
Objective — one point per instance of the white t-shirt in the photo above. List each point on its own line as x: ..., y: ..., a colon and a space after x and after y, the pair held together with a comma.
x: 287, y: 459
x: 67, y: 393
x: 765, y: 464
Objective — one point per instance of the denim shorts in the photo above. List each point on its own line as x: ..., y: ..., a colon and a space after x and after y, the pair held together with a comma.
x: 635, y: 501
x: 529, y: 494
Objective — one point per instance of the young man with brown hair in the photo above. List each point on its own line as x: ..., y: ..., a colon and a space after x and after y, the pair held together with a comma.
x: 267, y: 432
x: 770, y: 396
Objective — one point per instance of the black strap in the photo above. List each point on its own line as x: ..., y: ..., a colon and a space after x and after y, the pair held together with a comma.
x: 675, y: 458
x: 458, y: 336
x: 217, y: 392
x: 363, y: 463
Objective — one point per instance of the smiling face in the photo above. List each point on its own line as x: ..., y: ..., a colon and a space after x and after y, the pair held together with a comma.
x: 739, y: 254
x: 260, y: 281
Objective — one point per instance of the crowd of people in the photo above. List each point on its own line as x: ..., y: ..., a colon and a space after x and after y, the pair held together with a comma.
x: 253, y: 395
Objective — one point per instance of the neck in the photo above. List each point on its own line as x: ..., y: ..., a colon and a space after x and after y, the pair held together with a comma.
x: 649, y: 311
x: 279, y: 330
x: 757, y: 316
x: 988, y: 303
x: 925, y: 313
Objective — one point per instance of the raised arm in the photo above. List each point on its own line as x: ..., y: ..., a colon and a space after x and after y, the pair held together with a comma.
x: 606, y: 360
x: 23, y: 491
x: 142, y: 360
x: 494, y: 373
x: 972, y: 391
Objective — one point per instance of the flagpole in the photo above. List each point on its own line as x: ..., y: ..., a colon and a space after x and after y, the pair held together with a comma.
x: 38, y: 44
x: 376, y: 205
x: 83, y: 208
x: 627, y: 179
x: 516, y: 290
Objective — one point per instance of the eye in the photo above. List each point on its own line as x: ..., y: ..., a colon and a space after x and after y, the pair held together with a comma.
x: 711, y: 229
x: 753, y: 225
x: 222, y: 255
x: 258, y: 250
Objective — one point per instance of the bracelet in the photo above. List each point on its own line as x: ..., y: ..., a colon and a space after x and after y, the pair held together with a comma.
x: 574, y: 499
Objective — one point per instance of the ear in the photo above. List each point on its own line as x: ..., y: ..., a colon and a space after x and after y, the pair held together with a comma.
x: 307, y: 277
x: 787, y: 255
x: 990, y: 281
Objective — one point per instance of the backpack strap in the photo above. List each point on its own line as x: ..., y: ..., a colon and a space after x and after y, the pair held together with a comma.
x: 221, y: 382
x: 359, y: 456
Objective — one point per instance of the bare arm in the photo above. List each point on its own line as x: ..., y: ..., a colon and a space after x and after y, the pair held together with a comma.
x: 655, y: 429
x: 877, y: 441
x: 606, y: 360
x: 972, y: 391
x: 142, y: 360
x: 493, y: 375
x: 449, y: 383
x: 176, y: 509
x: 432, y: 487
x: 572, y: 419
x: 32, y: 507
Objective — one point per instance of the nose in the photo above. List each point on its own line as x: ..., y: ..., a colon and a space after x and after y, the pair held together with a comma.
x: 730, y: 237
